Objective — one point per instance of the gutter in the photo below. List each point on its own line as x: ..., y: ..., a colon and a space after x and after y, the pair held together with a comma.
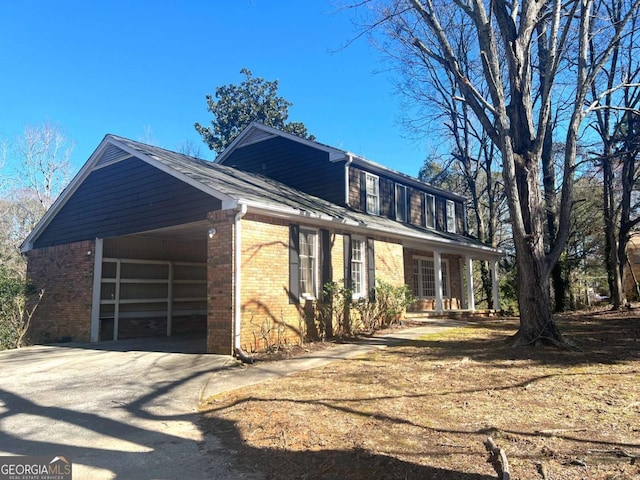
x: 237, y: 276
x: 296, y: 215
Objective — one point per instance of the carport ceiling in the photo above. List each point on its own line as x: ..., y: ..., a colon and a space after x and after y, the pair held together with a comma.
x: 188, y: 231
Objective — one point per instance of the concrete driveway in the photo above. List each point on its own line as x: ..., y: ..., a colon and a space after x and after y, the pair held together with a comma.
x: 123, y: 410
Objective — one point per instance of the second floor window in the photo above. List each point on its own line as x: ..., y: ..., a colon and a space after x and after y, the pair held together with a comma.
x: 401, y: 203
x: 451, y: 216
x: 373, y: 194
x: 430, y: 211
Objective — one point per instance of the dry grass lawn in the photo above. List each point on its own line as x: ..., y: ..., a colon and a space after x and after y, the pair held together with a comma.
x: 423, y: 409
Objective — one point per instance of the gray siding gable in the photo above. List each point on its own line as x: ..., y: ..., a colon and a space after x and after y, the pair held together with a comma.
x: 300, y: 166
x: 127, y: 197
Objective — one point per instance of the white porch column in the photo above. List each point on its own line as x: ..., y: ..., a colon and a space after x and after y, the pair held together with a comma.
x: 494, y: 281
x: 97, y: 285
x: 437, y: 265
x: 471, y: 302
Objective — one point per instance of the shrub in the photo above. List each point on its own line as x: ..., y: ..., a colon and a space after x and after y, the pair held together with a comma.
x: 18, y: 302
x: 351, y: 315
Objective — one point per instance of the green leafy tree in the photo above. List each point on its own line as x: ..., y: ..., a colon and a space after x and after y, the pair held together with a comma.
x: 235, y: 106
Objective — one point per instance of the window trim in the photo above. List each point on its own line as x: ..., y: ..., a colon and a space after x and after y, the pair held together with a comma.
x: 376, y: 196
x: 446, y: 278
x: 404, y: 201
x: 314, y: 267
x: 429, y: 199
x: 450, y: 208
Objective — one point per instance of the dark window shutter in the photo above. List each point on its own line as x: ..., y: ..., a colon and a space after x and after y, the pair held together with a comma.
x: 363, y: 191
x: 408, y: 205
x: 441, y: 214
x: 347, y: 260
x: 325, y: 276
x: 394, y: 205
x: 294, y: 263
x: 371, y: 268
x: 423, y: 209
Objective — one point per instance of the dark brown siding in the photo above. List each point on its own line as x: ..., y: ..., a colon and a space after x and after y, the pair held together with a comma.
x: 416, y: 207
x: 299, y: 166
x: 127, y: 197
x: 415, y: 201
x: 387, y: 198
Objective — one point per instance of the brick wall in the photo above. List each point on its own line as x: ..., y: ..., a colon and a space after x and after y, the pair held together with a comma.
x: 266, y: 309
x: 267, y: 315
x: 220, y: 289
x: 389, y: 262
x: 65, y: 272
x: 455, y: 281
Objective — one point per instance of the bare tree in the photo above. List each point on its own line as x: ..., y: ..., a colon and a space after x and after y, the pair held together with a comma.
x: 531, y: 58
x: 35, y: 170
x: 617, y: 123
x: 473, y: 157
x: 188, y: 147
x: 42, y: 153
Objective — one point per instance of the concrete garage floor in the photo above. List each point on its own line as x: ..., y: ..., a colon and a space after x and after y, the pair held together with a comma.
x: 123, y: 410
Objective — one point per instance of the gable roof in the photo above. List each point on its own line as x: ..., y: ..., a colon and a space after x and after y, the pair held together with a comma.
x: 234, y: 187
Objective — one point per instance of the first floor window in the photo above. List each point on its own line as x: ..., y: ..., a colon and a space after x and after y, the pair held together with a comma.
x: 308, y: 263
x: 358, y: 267
x: 424, y: 278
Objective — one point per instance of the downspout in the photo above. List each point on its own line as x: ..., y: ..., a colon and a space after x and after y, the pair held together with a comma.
x: 237, y: 284
x: 346, y: 179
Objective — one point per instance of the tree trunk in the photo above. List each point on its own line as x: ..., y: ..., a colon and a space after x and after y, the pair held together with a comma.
x: 611, y: 236
x: 537, y: 325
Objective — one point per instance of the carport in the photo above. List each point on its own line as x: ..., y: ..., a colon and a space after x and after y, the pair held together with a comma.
x: 149, y: 284
x: 123, y: 252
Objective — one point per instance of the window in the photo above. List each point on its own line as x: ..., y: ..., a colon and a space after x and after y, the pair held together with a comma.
x: 308, y: 263
x: 430, y: 210
x: 424, y: 278
x: 401, y: 203
x: 451, y: 216
x: 358, y: 255
x: 373, y: 194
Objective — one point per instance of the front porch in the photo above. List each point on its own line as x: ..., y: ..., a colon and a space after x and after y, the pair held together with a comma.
x: 442, y: 282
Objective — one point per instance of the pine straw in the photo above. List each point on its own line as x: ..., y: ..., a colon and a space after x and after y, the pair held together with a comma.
x: 423, y: 409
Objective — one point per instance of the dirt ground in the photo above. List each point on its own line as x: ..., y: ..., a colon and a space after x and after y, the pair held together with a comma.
x: 422, y: 410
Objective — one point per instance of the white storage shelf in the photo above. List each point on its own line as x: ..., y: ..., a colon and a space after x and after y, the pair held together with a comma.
x: 138, y: 289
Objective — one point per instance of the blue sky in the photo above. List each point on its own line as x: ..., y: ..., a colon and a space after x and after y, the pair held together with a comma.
x: 142, y: 70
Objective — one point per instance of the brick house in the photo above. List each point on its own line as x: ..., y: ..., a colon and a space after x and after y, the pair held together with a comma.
x: 145, y: 241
